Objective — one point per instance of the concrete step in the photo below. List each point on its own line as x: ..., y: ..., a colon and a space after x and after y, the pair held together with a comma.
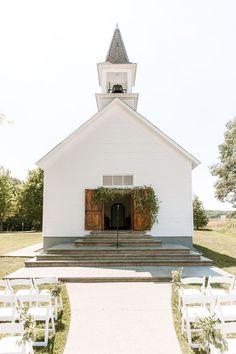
x: 122, y: 232
x: 121, y: 243
x: 126, y: 256
x: 201, y: 261
x: 113, y: 238
x: 114, y: 234
x: 70, y: 248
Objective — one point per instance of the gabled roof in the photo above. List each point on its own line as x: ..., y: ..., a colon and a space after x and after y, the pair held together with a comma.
x: 85, y: 126
x: 117, y: 53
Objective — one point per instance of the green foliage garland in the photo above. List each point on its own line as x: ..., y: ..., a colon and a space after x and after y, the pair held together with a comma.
x: 28, y: 323
x: 210, y: 334
x: 176, y: 278
x: 146, y: 200
x: 56, y: 290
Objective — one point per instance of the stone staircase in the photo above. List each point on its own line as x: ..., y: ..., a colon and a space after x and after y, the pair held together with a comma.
x: 99, y: 249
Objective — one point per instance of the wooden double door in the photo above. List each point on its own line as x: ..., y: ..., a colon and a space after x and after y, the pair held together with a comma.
x: 95, y: 219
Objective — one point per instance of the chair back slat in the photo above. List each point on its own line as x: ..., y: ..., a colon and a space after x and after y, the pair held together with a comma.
x: 193, y: 280
x: 35, y: 299
x: 198, y: 299
x: 11, y: 328
x: 45, y: 281
x: 226, y: 298
x: 228, y: 328
x: 23, y: 282
x: 8, y: 298
x: 220, y: 280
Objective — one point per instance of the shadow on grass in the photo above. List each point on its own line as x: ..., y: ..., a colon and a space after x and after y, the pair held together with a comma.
x: 220, y: 260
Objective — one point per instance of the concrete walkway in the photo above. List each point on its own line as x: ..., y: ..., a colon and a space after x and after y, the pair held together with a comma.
x: 121, y: 318
x: 101, y: 274
x: 29, y: 251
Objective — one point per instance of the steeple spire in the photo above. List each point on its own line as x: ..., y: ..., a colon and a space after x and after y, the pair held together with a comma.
x: 117, y: 53
x: 117, y: 75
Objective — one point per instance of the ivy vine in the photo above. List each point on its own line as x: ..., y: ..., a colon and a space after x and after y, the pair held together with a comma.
x: 146, y: 201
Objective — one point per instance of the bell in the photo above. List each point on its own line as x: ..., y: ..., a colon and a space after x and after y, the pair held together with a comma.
x: 117, y: 89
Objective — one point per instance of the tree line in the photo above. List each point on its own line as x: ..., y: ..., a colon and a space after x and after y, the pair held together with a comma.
x: 21, y: 202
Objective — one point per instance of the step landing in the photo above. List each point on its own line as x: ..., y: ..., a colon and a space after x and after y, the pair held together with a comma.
x: 113, y: 274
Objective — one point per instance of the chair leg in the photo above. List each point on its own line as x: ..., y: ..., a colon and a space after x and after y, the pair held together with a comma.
x: 189, y: 334
x: 61, y: 304
x: 182, y: 326
x: 31, y: 348
x: 46, y: 332
x: 53, y: 324
x: 56, y: 307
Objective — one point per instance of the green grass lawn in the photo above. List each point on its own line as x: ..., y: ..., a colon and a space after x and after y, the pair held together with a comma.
x: 12, y: 241
x: 218, y: 246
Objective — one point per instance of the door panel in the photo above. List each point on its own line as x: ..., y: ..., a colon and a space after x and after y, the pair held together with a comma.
x: 141, y: 221
x: 93, y: 212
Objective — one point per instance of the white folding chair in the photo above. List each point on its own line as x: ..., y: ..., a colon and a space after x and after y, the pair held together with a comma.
x: 195, y: 307
x: 41, y: 310
x: 12, y: 344
x: 26, y: 284
x: 226, y: 307
x: 224, y: 285
x: 56, y: 301
x: 4, y: 289
x: 8, y: 305
x: 191, y: 286
x: 228, y: 330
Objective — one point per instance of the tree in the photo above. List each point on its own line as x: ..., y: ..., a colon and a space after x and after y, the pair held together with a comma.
x: 7, y: 196
x: 31, y: 198
x: 225, y: 170
x: 200, y: 218
x: 231, y: 214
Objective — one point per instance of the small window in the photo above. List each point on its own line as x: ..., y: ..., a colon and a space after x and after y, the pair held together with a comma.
x: 128, y: 180
x: 107, y: 180
x: 118, y: 180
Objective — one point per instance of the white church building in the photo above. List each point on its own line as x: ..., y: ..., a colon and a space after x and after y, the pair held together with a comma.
x: 116, y: 148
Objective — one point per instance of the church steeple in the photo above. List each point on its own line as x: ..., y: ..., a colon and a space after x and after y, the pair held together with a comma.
x: 117, y: 53
x: 117, y: 75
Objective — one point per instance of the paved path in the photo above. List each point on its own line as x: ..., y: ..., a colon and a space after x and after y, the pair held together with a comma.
x: 121, y: 318
x: 29, y: 251
x: 102, y: 274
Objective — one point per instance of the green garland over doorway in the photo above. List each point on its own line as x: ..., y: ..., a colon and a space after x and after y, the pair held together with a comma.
x: 145, y: 199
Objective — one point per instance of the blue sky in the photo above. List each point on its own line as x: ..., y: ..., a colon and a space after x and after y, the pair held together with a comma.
x: 186, y: 55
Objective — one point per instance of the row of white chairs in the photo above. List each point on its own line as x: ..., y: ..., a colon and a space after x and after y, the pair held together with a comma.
x: 31, y: 286
x: 214, y: 285
x: 198, y: 303
x: 39, y: 307
x: 37, y: 296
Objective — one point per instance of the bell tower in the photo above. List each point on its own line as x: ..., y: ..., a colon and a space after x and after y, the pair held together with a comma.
x: 116, y: 75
